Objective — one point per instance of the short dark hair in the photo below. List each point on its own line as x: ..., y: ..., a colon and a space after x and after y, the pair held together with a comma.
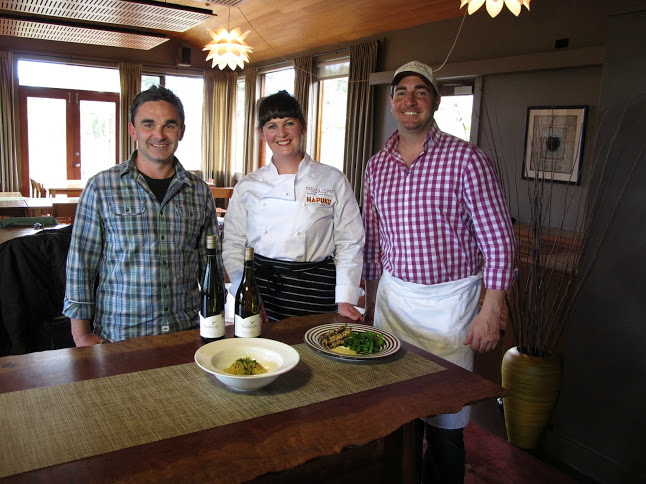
x: 279, y: 105
x: 156, y: 93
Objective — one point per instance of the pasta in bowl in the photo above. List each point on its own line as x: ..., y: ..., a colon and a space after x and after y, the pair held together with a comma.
x: 246, y: 364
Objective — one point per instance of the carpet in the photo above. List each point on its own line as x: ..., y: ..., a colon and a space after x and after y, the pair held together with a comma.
x: 491, y: 459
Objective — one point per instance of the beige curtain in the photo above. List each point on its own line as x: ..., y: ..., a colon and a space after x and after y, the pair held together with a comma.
x: 303, y: 81
x: 218, y: 120
x: 9, y: 157
x: 130, y: 77
x: 359, y: 127
x: 251, y: 158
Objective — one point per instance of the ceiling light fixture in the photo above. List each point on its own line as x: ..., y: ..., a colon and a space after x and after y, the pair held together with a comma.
x: 228, y: 47
x: 495, y: 6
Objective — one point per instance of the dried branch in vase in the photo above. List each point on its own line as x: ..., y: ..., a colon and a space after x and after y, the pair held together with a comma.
x: 550, y: 240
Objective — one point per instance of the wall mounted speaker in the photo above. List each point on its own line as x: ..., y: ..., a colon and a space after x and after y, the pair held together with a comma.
x: 184, y: 56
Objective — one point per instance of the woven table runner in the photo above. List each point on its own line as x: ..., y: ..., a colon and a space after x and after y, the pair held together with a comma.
x: 61, y: 423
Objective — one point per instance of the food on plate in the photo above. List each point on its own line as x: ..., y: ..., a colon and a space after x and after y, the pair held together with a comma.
x: 246, y: 366
x: 365, y: 343
x: 335, y: 337
x: 360, y: 342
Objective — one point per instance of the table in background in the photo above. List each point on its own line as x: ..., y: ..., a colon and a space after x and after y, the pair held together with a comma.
x: 302, y: 443
x: 71, y: 188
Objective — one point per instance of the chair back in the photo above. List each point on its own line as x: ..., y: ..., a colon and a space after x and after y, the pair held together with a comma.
x: 221, y: 196
x: 38, y: 190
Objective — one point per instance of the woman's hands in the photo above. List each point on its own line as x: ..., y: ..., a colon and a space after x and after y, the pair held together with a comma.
x: 349, y: 311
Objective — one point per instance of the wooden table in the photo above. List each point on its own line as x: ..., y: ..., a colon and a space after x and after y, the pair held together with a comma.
x: 71, y: 188
x: 315, y: 442
x: 14, y: 206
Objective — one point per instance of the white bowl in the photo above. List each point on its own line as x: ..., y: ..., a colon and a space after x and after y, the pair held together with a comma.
x: 277, y: 357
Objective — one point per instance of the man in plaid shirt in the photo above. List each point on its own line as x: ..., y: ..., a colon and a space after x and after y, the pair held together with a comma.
x: 138, y: 245
x: 436, y: 224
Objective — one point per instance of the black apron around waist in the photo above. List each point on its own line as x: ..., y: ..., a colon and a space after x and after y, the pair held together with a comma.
x: 295, y: 288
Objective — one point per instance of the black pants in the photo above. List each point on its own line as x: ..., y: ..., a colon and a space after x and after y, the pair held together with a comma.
x: 444, y: 459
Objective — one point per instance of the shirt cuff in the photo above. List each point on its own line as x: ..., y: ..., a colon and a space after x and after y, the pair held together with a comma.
x: 78, y: 310
x: 499, y: 278
x: 346, y: 294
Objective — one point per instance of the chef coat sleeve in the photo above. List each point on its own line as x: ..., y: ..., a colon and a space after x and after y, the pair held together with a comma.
x: 348, y: 241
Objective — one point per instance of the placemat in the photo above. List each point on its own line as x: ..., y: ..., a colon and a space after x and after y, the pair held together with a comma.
x: 61, y: 423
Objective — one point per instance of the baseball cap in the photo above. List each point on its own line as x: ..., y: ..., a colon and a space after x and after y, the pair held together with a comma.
x: 418, y: 69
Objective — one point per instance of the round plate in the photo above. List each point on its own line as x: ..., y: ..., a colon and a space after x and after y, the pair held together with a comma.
x: 391, y: 342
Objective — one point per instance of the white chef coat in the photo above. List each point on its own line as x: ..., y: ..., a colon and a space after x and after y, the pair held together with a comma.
x: 433, y: 317
x: 302, y: 217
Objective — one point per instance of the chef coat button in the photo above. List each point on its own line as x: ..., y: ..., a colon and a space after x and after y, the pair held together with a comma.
x: 265, y: 232
x: 298, y: 233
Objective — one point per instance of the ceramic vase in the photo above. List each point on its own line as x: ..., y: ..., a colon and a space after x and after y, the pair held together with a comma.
x: 533, y: 383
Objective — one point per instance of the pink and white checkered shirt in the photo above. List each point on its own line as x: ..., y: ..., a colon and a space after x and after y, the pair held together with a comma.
x: 434, y: 221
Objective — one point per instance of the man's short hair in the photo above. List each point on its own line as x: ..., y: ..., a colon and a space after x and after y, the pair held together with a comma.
x: 156, y: 93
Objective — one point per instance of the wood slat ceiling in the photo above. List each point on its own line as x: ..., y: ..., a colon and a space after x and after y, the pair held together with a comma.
x: 282, y: 28
x: 279, y: 29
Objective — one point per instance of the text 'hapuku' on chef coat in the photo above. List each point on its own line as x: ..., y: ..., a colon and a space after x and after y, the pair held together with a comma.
x: 302, y: 217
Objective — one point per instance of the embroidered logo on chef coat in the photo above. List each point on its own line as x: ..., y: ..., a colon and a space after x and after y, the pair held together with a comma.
x: 321, y: 197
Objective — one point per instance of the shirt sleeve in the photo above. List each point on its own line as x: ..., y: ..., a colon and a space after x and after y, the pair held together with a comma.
x: 84, y: 256
x: 372, y: 252
x: 491, y: 220
x: 235, y: 240
x: 348, y: 242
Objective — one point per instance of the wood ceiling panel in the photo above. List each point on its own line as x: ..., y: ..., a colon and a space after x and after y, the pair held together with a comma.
x: 281, y: 28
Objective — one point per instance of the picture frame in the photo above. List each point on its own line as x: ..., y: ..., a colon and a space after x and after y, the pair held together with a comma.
x: 554, y: 140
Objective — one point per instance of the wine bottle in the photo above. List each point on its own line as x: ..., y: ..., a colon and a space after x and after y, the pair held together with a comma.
x: 213, y: 296
x: 248, y: 319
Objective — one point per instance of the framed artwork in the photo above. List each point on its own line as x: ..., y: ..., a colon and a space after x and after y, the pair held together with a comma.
x: 554, y: 143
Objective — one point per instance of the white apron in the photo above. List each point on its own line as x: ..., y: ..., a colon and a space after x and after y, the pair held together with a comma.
x: 435, y: 318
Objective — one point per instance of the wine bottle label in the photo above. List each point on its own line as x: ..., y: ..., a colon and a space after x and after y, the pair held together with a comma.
x: 212, y: 326
x: 248, y: 327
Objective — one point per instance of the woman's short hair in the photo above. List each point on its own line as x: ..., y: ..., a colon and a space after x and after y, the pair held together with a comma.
x: 156, y: 93
x: 279, y: 105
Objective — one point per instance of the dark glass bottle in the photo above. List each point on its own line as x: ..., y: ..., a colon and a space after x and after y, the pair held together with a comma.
x: 213, y: 296
x: 248, y: 318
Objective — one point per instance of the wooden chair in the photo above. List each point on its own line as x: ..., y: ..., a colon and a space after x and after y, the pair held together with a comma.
x: 221, y: 196
x: 37, y: 189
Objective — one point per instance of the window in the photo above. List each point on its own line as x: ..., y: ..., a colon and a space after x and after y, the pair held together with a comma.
x: 275, y: 81
x: 456, y: 106
x: 67, y: 131
x: 332, y: 108
x: 191, y: 92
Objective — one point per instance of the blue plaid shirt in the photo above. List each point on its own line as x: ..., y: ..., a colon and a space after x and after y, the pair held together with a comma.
x: 148, y: 256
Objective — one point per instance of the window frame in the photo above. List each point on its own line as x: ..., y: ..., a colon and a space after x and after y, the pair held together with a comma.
x: 73, y: 97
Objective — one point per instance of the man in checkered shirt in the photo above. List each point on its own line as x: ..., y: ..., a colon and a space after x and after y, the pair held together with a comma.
x: 436, y: 225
